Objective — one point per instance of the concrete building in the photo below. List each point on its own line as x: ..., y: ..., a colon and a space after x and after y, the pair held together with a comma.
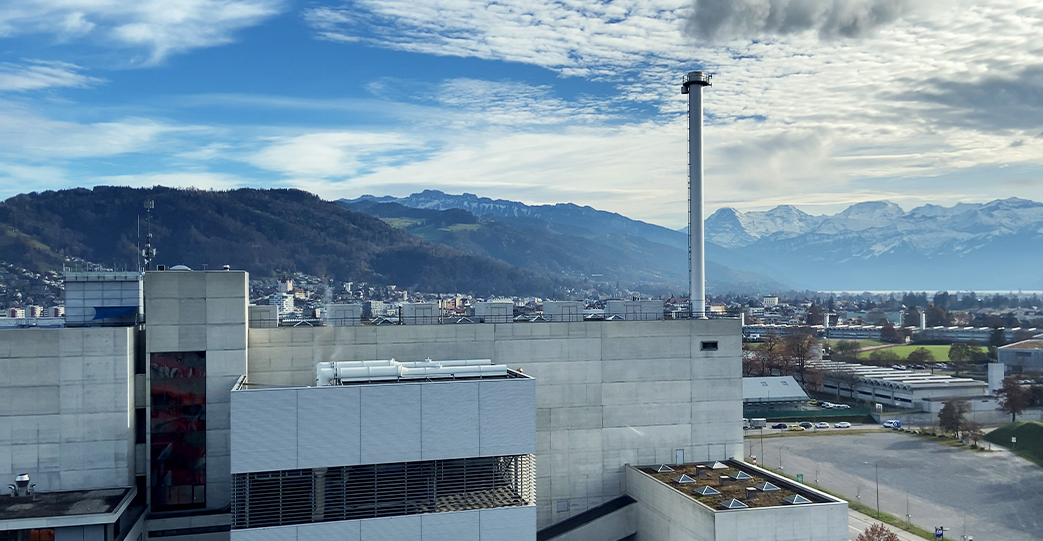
x: 608, y: 394
x: 420, y: 313
x: 911, y: 389
x: 647, y: 310
x: 340, y: 315
x: 110, y: 298
x: 769, y: 301
x: 494, y: 311
x: 1025, y: 357
x: 560, y: 311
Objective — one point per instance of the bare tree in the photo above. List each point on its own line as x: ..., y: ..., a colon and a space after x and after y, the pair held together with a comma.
x: 800, y: 346
x: 877, y: 532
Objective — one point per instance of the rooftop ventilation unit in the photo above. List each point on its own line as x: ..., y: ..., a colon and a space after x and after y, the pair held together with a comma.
x: 22, y: 486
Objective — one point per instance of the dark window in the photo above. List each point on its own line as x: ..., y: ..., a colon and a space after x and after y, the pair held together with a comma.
x: 709, y: 346
x: 140, y: 425
x: 178, y: 428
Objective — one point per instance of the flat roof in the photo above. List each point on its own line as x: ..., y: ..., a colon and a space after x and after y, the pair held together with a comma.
x: 73, y: 503
x: 1025, y: 344
x: 772, y: 389
x: 779, y: 488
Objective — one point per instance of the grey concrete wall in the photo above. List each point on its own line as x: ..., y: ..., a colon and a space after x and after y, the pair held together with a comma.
x: 204, y: 311
x: 66, y: 406
x: 285, y: 429
x: 664, y: 514
x: 608, y: 393
x: 501, y: 524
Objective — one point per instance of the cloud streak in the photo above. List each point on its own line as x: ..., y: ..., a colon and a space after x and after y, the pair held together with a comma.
x: 721, y: 20
x: 160, y: 27
x: 38, y: 74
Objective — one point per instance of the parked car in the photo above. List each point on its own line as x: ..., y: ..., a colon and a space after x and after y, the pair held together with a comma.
x: 842, y: 406
x: 893, y: 424
x: 821, y: 425
x: 796, y: 428
x: 780, y: 426
x: 806, y: 425
x: 842, y: 424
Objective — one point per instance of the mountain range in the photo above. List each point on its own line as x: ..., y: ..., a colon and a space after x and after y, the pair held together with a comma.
x: 868, y: 246
x: 266, y: 232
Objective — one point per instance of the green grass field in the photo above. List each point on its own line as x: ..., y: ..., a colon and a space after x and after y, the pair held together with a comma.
x: 1029, y: 435
x: 941, y: 353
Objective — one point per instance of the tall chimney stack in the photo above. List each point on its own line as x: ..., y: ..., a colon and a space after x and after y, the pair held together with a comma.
x: 696, y: 232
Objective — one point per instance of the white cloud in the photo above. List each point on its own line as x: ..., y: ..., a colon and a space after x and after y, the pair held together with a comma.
x: 331, y: 154
x: 162, y: 27
x: 26, y: 135
x: 790, y: 113
x: 38, y: 74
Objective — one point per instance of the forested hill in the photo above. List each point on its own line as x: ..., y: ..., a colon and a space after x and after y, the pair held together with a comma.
x: 262, y: 231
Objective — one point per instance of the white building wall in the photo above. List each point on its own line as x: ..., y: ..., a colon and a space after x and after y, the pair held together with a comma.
x: 66, y: 406
x: 420, y: 313
x: 343, y: 314
x: 560, y: 311
x: 381, y: 423
x: 494, y: 312
x: 608, y: 393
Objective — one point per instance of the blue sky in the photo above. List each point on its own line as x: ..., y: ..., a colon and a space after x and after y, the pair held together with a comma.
x: 815, y: 103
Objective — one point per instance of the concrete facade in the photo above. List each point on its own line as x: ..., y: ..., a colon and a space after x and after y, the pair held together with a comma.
x: 206, y: 311
x: 66, y: 406
x: 609, y: 393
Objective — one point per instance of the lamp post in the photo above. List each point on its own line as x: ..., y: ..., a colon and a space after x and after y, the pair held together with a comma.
x: 876, y: 466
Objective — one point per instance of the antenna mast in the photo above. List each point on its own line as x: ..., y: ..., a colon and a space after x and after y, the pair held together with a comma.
x: 149, y: 253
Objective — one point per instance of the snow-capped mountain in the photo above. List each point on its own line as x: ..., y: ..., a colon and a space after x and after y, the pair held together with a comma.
x: 873, y: 245
x: 877, y: 245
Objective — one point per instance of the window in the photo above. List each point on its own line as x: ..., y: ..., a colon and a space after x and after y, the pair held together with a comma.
x: 178, y: 428
x: 709, y: 346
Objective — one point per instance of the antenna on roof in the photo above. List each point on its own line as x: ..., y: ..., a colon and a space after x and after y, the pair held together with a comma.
x: 149, y: 253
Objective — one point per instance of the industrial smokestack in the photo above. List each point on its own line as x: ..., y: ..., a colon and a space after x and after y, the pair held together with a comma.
x: 696, y: 233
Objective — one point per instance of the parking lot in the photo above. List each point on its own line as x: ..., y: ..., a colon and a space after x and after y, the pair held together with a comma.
x: 992, y: 496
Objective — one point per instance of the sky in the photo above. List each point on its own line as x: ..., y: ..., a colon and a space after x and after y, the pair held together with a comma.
x: 814, y: 103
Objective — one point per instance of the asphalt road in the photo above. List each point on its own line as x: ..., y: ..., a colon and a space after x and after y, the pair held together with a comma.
x: 993, y: 496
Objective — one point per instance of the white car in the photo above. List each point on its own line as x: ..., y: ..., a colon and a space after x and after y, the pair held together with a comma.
x: 842, y: 424
x: 821, y: 425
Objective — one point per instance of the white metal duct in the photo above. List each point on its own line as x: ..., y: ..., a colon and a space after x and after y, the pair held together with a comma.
x: 334, y: 372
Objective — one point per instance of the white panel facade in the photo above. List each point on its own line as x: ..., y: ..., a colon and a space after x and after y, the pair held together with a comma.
x: 390, y: 423
x: 450, y: 420
x: 345, y: 530
x: 264, y: 431
x: 404, y: 528
x: 458, y: 526
x: 508, y: 417
x: 508, y: 523
x: 329, y: 427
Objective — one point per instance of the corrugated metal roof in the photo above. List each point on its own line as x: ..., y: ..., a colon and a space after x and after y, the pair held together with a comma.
x: 772, y: 389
